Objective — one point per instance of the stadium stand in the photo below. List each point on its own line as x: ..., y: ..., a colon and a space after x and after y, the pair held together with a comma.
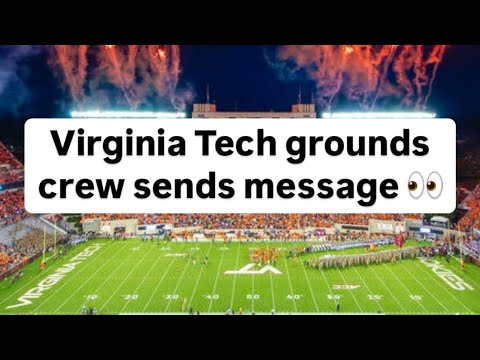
x: 472, y: 204
x: 474, y: 246
x: 23, y: 240
x: 12, y: 207
x: 7, y: 160
x: 252, y: 221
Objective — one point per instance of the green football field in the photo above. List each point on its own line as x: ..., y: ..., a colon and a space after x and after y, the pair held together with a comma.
x: 132, y: 277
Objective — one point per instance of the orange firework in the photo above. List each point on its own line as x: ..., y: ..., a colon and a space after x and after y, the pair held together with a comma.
x: 139, y: 71
x: 365, y: 73
x: 72, y: 60
x: 162, y: 54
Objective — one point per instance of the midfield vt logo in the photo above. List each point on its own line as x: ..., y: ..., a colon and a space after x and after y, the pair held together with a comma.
x: 249, y: 270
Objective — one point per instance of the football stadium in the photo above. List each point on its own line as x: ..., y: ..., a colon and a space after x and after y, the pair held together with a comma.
x: 234, y: 264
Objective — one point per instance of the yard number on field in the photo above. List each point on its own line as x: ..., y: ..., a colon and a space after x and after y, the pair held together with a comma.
x: 212, y: 296
x: 171, y: 296
x: 130, y: 297
x: 294, y: 296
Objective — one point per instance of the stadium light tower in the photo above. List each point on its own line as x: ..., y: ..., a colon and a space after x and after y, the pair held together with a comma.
x: 128, y: 114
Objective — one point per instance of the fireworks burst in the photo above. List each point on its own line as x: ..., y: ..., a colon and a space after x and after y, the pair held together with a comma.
x: 366, y: 73
x: 139, y: 71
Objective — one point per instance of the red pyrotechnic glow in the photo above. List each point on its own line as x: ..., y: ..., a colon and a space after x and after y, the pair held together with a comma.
x: 162, y: 54
x: 365, y: 73
x: 139, y: 71
x: 72, y: 61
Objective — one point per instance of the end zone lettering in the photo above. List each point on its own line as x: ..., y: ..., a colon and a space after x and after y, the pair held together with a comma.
x: 53, y: 279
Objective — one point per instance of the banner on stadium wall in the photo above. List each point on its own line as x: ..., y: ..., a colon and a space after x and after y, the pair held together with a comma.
x: 91, y: 225
x: 386, y: 226
x: 130, y: 225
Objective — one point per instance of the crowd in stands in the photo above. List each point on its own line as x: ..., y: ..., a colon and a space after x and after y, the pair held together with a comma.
x: 473, y: 246
x: 8, y: 176
x: 472, y: 202
x: 12, y: 207
x: 462, y: 191
x: 25, y: 247
x: 7, y: 160
x: 10, y: 258
x: 32, y: 242
x: 252, y: 221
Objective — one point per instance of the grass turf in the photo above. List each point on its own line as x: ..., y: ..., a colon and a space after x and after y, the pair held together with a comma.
x: 131, y: 276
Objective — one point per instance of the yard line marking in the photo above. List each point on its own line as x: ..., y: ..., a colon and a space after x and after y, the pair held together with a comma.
x: 126, y: 276
x: 330, y: 289
x: 442, y: 286
x: 345, y: 281
x: 36, y: 277
x: 198, y: 279
x: 176, y: 287
x: 364, y: 283
x: 408, y: 290
x: 160, y: 282
x: 143, y: 280
x: 428, y: 291
x: 290, y: 283
x: 216, y: 280
x: 310, y: 287
x: 349, y: 290
x: 85, y: 282
x: 235, y: 276
x: 271, y: 289
x: 253, y: 292
x: 388, y: 289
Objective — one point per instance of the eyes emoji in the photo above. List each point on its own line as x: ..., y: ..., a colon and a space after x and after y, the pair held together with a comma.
x: 416, y: 185
x: 434, y: 185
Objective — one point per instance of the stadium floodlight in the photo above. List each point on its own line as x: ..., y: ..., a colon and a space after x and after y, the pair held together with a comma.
x: 379, y: 115
x: 128, y: 114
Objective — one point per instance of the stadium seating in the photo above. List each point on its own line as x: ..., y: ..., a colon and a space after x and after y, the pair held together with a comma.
x: 474, y: 246
x: 252, y: 221
x: 12, y: 207
x: 21, y: 240
x: 7, y: 160
x: 472, y: 203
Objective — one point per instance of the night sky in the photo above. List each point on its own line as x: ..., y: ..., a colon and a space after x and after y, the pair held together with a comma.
x: 240, y: 78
